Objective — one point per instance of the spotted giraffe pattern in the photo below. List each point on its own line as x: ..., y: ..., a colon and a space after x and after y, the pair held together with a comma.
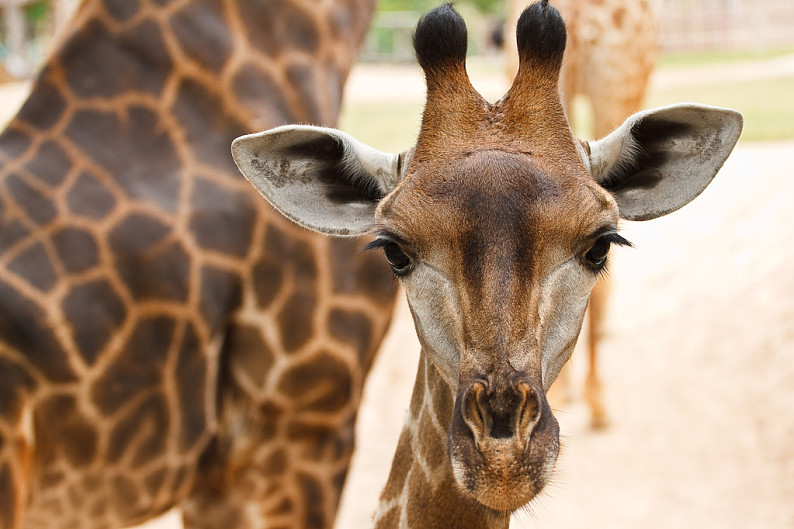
x: 166, y: 338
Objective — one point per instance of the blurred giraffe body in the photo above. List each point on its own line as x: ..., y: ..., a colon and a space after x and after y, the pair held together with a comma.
x: 166, y: 338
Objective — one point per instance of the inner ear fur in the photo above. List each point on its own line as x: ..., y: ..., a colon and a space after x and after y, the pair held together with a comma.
x: 661, y: 159
x: 323, y: 179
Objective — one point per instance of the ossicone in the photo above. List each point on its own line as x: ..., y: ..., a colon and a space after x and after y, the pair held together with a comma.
x: 441, y: 39
x: 541, y: 36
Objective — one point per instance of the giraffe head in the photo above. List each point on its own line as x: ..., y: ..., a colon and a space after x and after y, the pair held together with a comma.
x: 497, y: 223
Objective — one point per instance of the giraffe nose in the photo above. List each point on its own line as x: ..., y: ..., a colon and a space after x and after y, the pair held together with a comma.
x: 502, y: 411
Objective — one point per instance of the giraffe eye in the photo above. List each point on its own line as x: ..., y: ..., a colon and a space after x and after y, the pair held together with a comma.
x: 597, y: 255
x: 399, y: 262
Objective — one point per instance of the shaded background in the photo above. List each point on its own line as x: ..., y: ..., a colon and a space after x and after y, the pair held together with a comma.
x: 698, y: 361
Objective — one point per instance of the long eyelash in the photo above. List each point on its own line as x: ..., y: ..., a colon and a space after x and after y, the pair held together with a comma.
x: 374, y: 245
x: 383, y: 239
x: 615, y: 238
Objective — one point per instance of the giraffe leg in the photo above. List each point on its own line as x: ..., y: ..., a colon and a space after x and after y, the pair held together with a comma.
x: 608, y: 115
x: 612, y: 110
x: 559, y: 394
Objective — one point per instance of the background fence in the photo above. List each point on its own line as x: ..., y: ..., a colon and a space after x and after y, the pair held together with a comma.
x: 689, y: 25
x: 685, y: 25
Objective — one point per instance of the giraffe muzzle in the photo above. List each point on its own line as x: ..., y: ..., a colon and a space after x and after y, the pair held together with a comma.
x: 491, y: 414
x: 503, y: 442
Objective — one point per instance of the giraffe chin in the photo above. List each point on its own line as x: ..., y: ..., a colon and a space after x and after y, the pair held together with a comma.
x: 504, y: 473
x: 503, y: 477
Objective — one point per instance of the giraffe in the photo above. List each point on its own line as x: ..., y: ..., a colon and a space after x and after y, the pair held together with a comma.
x: 497, y: 223
x: 610, y: 54
x: 166, y: 339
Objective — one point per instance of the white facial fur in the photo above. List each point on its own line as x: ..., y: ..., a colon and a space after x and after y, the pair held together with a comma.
x: 434, y: 305
x: 564, y: 294
x: 562, y: 300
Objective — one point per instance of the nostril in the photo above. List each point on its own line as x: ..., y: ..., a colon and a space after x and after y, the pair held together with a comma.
x: 500, y: 414
x: 473, y: 412
x: 530, y: 409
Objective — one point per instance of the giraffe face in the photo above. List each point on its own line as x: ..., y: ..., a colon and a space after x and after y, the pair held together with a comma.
x: 497, y: 255
x: 497, y: 223
x: 498, y: 249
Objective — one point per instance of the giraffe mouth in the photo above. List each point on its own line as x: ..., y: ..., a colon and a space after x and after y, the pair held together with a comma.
x: 503, y: 445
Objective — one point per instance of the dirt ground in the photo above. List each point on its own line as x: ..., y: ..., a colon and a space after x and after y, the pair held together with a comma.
x: 698, y: 366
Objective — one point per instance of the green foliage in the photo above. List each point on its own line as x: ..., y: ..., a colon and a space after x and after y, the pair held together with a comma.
x: 406, y: 5
x: 493, y: 7
x: 390, y: 127
x: 37, y: 13
x: 695, y: 58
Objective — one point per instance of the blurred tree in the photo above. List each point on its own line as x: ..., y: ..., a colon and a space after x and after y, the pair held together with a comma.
x: 26, y: 30
x: 37, y: 13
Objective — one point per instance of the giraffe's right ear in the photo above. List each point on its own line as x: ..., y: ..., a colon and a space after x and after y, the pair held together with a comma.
x: 321, y: 178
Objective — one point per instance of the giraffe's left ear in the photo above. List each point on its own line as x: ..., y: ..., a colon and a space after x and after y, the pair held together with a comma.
x: 321, y: 178
x: 660, y: 159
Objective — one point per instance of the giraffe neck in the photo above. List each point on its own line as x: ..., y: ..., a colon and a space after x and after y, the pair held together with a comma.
x: 421, y: 491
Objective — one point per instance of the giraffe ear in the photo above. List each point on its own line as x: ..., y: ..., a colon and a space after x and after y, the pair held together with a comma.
x: 660, y: 159
x: 321, y: 178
